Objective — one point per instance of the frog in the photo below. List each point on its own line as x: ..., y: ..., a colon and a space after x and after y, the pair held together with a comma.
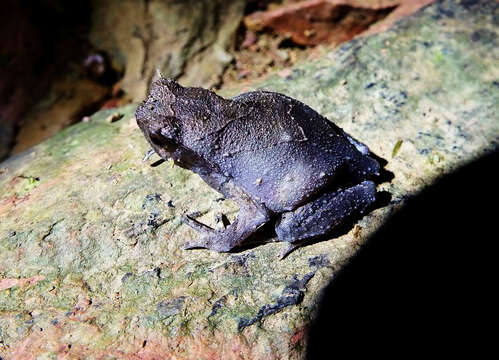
x: 274, y: 156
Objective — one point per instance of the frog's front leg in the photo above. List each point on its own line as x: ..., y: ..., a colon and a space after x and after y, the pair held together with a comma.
x: 251, y: 216
x: 322, y: 215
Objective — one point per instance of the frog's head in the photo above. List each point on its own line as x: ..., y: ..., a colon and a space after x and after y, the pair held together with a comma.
x: 156, y: 117
x: 172, y: 117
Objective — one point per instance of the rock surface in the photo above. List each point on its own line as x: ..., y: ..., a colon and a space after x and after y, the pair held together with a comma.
x: 91, y: 264
x: 186, y: 39
x: 312, y: 22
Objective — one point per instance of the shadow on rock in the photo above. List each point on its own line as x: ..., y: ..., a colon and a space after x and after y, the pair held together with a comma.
x: 424, y: 281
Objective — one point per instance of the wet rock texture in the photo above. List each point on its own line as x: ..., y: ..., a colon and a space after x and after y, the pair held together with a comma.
x: 91, y: 264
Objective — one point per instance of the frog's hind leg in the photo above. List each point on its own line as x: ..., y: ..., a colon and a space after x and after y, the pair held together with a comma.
x: 322, y: 215
x: 251, y: 216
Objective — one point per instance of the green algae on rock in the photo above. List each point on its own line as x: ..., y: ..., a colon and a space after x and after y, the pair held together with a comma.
x: 91, y: 263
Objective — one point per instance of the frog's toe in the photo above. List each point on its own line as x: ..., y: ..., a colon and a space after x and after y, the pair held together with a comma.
x: 195, y: 244
x: 196, y: 225
x: 288, y: 250
x: 209, y: 242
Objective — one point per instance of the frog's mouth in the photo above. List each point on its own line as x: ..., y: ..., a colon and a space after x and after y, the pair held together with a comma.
x: 162, y: 143
x: 168, y: 148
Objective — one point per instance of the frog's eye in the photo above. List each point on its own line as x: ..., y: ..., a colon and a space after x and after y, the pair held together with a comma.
x: 163, y: 142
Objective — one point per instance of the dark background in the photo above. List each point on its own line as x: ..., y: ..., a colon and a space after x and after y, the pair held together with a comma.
x: 425, y: 283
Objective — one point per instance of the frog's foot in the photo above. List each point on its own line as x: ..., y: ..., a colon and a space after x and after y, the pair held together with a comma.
x: 224, y: 240
x: 322, y: 215
x: 148, y: 154
x: 252, y: 215
x: 206, y: 231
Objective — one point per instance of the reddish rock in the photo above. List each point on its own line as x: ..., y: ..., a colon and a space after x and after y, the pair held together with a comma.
x: 313, y: 22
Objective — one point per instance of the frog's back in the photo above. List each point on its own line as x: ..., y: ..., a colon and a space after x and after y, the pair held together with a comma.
x: 282, y: 151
